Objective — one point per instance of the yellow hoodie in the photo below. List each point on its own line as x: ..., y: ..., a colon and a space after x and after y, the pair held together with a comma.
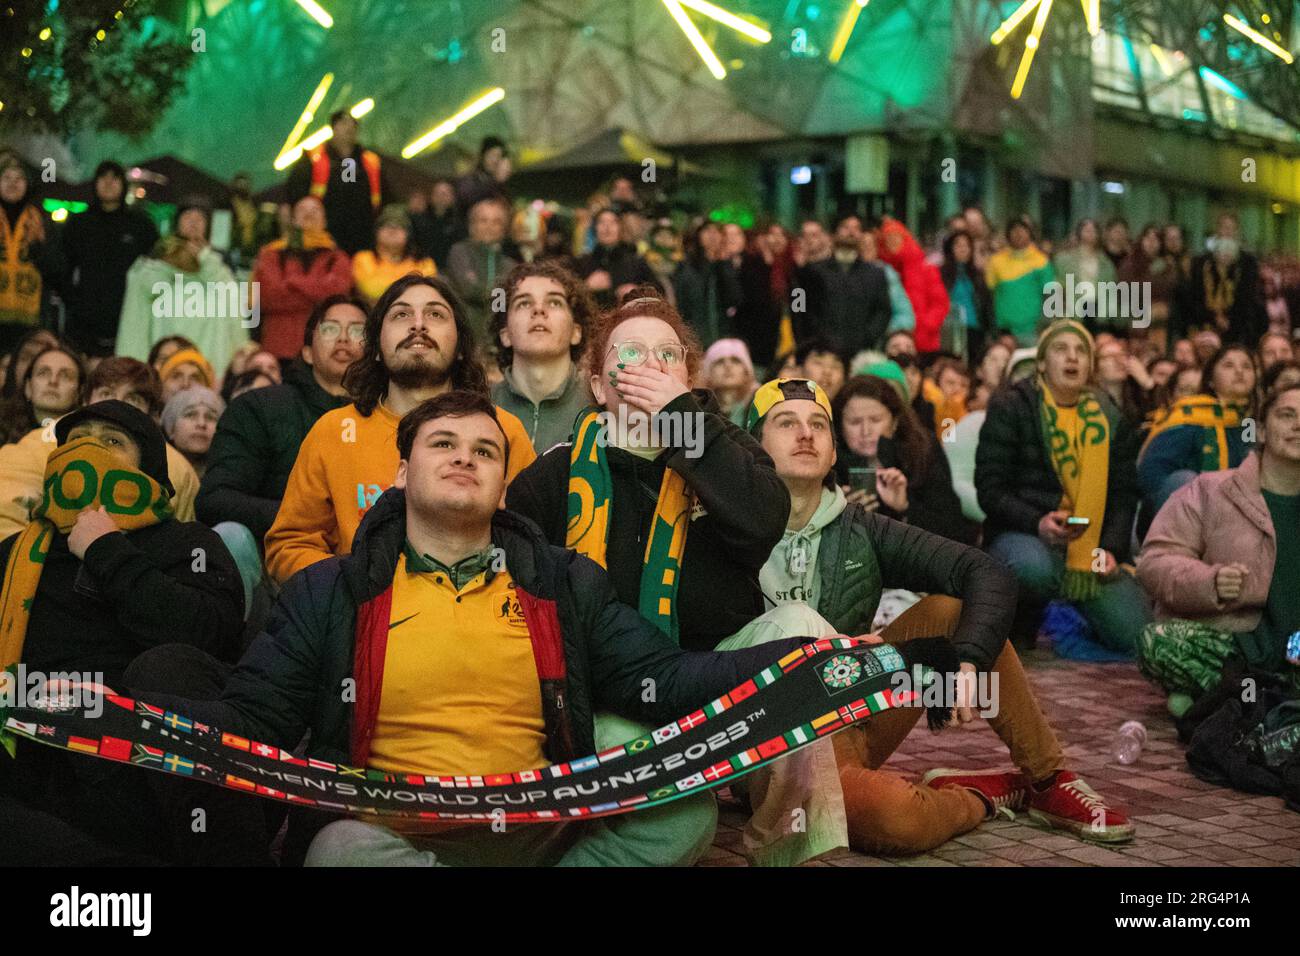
x: 345, y: 463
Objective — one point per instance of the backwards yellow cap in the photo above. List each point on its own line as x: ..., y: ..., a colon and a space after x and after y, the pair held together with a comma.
x: 784, y: 390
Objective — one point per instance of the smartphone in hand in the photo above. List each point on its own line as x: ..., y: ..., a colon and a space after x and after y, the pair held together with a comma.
x: 862, y: 478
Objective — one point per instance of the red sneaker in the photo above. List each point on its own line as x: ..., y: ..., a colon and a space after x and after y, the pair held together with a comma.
x: 1070, y: 804
x: 1002, y: 791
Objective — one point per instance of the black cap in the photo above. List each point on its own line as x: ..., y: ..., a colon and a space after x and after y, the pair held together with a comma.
x: 153, y: 447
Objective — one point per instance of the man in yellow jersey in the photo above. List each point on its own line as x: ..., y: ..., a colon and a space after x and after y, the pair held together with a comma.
x: 1017, y: 276
x: 417, y: 346
x: 455, y: 640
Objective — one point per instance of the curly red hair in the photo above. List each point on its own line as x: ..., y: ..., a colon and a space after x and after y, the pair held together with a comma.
x: 641, y: 303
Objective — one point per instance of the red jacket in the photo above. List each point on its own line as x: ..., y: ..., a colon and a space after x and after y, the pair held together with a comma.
x: 290, y: 283
x: 921, y: 281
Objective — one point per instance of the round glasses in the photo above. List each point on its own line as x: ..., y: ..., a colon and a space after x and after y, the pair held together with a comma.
x: 638, y: 353
x: 329, y: 331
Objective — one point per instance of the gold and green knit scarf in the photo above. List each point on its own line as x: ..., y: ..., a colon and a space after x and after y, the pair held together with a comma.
x: 591, y: 492
x: 1213, y: 417
x: 1078, y: 443
x: 80, y: 474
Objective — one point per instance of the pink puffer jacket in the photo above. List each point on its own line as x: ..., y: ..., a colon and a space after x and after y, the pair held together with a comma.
x: 1218, y: 519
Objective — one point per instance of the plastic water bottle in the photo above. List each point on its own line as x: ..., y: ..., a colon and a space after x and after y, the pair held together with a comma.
x: 1130, y: 740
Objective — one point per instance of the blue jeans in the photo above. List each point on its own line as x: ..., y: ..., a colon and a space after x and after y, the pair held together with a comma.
x: 1118, y: 614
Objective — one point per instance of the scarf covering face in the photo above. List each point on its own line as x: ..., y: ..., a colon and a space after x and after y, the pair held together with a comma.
x: 1210, y: 415
x: 84, y: 473
x: 591, y: 492
x: 1078, y: 444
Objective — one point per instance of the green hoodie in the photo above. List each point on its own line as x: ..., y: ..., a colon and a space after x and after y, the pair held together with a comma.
x: 790, y: 574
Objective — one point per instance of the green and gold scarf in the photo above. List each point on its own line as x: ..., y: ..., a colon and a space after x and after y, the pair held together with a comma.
x: 1206, y: 412
x: 81, y: 474
x: 1078, y: 444
x: 591, y: 491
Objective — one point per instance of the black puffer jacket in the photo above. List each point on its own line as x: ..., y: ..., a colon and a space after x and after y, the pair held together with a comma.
x: 863, y: 552
x: 290, y: 679
x: 255, y: 447
x: 172, y: 582
x: 745, y: 510
x: 1015, y: 481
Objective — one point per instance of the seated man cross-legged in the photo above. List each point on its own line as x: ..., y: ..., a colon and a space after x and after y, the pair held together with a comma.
x: 838, y: 557
x: 1055, y: 475
x: 475, y: 647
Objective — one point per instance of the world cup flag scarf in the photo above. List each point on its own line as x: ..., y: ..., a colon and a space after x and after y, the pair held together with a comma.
x: 591, y: 492
x: 80, y: 474
x: 1078, y: 444
x: 812, y: 692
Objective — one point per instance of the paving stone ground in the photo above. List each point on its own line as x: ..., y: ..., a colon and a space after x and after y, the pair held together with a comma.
x: 1181, y: 821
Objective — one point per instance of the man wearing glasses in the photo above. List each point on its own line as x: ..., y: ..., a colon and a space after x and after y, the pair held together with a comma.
x: 259, y: 434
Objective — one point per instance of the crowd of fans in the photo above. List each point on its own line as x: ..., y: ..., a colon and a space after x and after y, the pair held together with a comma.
x: 894, y: 441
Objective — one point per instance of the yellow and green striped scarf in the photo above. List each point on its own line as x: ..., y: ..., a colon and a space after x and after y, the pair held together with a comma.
x: 1206, y: 412
x: 81, y: 474
x: 591, y: 492
x: 1078, y: 443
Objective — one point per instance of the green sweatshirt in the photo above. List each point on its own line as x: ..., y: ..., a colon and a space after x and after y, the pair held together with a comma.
x: 790, y: 574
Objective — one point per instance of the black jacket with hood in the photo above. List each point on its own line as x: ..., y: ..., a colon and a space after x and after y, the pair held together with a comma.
x: 1016, y: 483
x: 331, y: 621
x: 255, y: 446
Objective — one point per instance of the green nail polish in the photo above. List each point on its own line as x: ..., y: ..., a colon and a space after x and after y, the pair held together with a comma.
x: 621, y: 365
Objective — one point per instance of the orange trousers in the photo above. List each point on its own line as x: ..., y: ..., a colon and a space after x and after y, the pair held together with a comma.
x: 887, y: 814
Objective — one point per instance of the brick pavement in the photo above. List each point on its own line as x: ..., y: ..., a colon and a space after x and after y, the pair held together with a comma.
x: 1181, y: 821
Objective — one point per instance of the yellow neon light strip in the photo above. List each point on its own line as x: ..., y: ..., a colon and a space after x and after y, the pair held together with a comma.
x: 1013, y: 21
x: 285, y: 160
x: 1245, y: 28
x: 317, y: 13
x: 308, y: 114
x: 452, y: 123
x: 1031, y: 47
x: 846, y: 29
x: 697, y: 39
x: 1092, y: 13
x: 728, y: 19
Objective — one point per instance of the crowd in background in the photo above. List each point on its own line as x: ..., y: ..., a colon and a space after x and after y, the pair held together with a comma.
x: 961, y: 402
